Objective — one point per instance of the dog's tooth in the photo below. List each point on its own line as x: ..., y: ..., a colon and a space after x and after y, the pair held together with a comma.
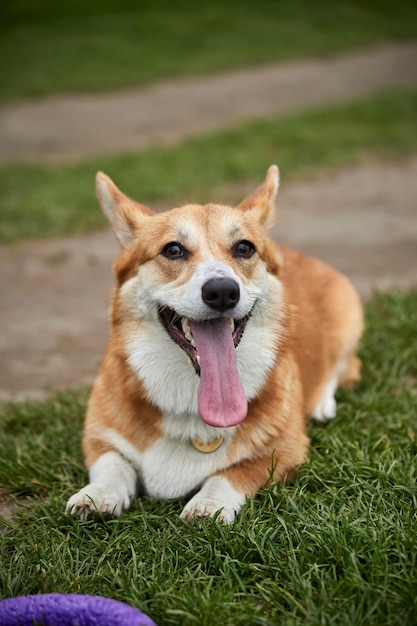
x: 198, y: 359
x: 232, y: 324
x: 190, y: 338
x: 186, y: 328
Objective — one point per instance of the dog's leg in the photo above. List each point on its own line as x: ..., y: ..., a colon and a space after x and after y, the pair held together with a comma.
x: 225, y: 493
x: 113, y: 483
x: 345, y: 373
x: 325, y: 408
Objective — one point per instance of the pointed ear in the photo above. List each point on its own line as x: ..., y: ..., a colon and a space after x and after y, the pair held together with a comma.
x: 124, y: 215
x: 262, y: 201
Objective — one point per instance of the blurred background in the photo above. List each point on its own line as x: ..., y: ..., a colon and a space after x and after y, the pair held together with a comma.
x: 182, y: 101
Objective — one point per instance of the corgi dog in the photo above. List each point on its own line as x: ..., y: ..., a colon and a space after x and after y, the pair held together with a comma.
x: 221, y: 346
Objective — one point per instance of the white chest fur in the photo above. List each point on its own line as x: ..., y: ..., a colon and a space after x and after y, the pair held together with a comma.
x: 171, y: 467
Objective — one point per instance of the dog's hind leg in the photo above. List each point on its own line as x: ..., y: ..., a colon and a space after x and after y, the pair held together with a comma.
x: 345, y: 373
x: 352, y: 371
x: 325, y: 408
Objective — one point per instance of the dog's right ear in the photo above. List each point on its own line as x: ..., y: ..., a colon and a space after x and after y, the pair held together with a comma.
x: 124, y: 215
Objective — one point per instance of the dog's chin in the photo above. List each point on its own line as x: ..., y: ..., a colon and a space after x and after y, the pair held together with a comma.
x: 179, y: 330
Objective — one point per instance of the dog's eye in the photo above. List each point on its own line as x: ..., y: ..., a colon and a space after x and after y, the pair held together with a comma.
x: 244, y: 249
x: 174, y: 250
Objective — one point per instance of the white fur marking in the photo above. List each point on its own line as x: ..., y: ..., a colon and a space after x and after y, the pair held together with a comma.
x: 171, y: 467
x: 325, y: 409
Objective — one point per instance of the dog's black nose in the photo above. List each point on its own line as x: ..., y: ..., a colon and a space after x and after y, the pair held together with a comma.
x: 221, y: 293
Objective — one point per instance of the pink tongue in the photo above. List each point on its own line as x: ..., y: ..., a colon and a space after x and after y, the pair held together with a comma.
x: 221, y: 398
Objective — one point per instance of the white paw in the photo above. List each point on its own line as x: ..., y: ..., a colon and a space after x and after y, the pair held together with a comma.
x: 325, y: 409
x: 217, y: 498
x: 95, y: 501
x: 208, y: 508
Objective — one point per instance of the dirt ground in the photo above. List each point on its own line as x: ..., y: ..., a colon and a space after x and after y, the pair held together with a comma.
x: 55, y: 294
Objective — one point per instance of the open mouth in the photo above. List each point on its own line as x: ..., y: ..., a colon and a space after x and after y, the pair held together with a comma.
x: 179, y: 329
x: 211, y: 346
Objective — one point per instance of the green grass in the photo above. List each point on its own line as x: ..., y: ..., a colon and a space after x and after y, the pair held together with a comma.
x: 49, y: 47
x: 46, y: 201
x: 338, y: 545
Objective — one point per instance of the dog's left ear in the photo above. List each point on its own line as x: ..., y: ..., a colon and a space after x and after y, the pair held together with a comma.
x: 261, y: 203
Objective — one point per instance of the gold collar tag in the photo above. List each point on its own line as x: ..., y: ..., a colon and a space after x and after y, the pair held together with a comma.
x: 210, y: 446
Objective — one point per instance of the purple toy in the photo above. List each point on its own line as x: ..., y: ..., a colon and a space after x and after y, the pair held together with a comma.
x: 57, y: 609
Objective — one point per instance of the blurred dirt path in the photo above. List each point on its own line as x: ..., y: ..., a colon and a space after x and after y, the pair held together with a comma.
x: 70, y: 128
x: 55, y: 294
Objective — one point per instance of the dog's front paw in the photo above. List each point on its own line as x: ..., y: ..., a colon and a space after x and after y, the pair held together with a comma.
x: 217, y: 498
x: 95, y: 501
x: 208, y: 508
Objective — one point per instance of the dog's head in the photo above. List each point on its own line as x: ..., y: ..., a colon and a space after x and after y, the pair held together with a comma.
x: 201, y: 274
